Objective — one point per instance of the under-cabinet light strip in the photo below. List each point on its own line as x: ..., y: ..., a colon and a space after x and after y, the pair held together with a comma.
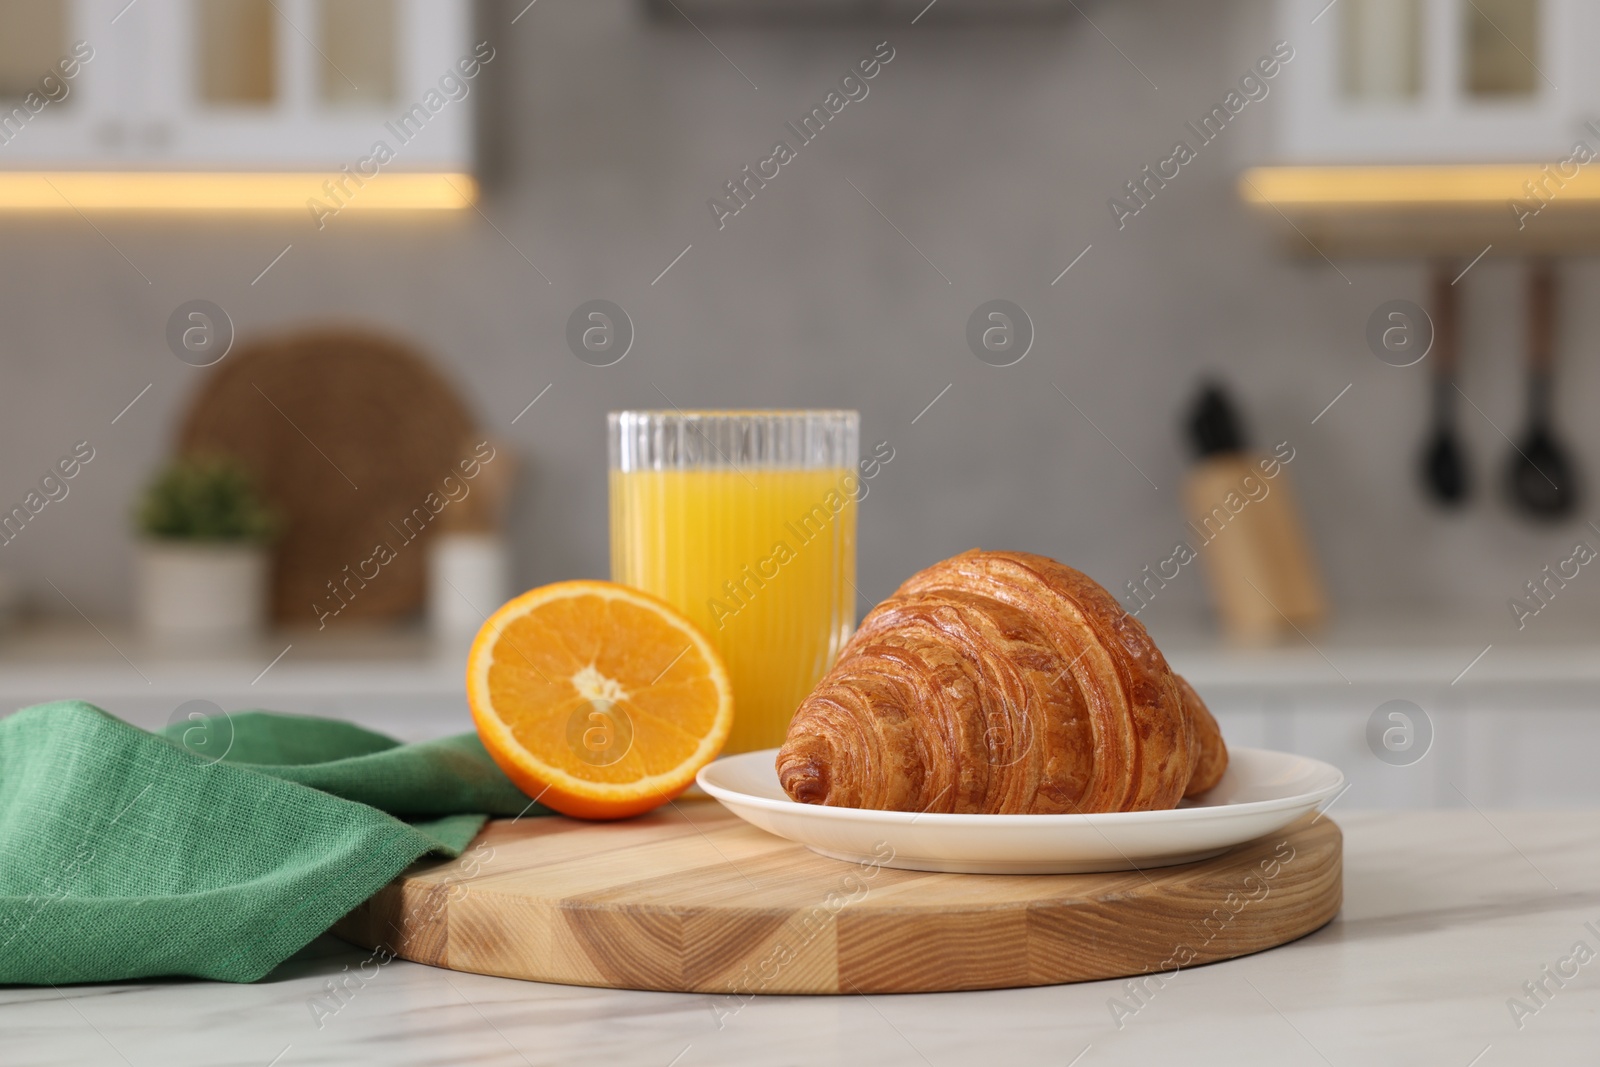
x: 1441, y: 185
x: 230, y: 191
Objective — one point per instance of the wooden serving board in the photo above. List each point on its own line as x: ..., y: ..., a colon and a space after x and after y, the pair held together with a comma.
x: 691, y: 899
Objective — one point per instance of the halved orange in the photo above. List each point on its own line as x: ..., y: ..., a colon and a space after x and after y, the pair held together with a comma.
x: 596, y: 699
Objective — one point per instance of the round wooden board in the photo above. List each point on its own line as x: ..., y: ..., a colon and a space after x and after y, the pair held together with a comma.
x: 692, y: 899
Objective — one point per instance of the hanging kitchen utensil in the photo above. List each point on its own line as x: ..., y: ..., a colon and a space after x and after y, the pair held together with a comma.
x: 1541, y: 476
x: 1444, y: 461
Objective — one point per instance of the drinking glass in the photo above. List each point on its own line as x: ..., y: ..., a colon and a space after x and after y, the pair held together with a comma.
x: 745, y: 521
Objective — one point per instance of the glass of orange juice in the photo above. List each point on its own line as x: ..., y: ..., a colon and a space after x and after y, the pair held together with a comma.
x: 746, y: 522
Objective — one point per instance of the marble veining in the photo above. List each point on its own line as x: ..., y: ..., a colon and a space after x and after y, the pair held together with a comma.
x: 1447, y: 914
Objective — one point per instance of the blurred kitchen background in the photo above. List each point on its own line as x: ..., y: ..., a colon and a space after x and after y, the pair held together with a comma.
x: 981, y: 164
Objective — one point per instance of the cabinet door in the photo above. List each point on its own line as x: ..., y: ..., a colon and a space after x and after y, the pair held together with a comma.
x: 1424, y: 81
x: 61, y: 75
x: 305, y: 84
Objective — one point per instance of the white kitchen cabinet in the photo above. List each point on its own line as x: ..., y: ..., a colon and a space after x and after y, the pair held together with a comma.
x: 1436, y: 81
x: 1494, y: 746
x: 56, y: 89
x: 245, y: 84
x: 1538, y: 753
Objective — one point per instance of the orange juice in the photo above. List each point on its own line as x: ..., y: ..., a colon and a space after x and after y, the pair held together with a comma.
x: 762, y: 559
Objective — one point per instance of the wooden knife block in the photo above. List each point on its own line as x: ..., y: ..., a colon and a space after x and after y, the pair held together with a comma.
x: 1257, y: 558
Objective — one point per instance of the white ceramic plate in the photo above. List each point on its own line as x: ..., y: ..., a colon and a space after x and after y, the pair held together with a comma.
x: 1262, y: 791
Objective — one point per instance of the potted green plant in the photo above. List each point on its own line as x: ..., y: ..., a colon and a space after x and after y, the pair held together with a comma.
x: 204, y: 530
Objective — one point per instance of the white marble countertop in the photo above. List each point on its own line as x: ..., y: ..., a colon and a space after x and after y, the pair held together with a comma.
x: 1446, y: 915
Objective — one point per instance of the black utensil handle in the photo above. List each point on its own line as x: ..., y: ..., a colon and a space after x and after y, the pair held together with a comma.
x: 1541, y: 388
x: 1443, y: 314
x: 1541, y: 318
x: 1444, y: 403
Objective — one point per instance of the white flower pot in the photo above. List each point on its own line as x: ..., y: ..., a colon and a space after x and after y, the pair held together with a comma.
x: 198, y: 592
x: 469, y: 576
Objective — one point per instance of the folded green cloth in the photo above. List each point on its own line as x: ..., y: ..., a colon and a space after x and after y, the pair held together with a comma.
x: 218, y: 848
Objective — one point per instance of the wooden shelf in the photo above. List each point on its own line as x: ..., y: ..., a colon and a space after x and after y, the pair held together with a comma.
x: 1415, y: 211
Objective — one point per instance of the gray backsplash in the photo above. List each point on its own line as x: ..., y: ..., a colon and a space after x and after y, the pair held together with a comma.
x: 994, y: 149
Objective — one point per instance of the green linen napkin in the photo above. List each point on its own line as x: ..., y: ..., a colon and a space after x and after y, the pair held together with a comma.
x: 218, y: 848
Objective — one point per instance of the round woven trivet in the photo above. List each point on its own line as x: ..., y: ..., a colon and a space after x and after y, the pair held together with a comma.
x: 348, y: 432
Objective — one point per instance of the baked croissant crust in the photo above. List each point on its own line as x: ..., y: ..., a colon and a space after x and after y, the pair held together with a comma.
x: 1001, y: 683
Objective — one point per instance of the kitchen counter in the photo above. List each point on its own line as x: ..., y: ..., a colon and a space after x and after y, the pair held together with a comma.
x: 1446, y: 915
x: 1448, y: 650
x: 400, y: 679
x: 1512, y: 715
x: 395, y: 679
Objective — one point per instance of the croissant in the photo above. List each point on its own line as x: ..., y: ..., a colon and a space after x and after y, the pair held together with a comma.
x: 1001, y: 683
